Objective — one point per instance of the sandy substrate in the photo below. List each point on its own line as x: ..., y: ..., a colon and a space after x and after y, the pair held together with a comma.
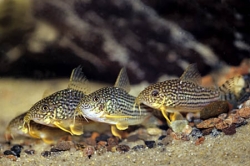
x: 17, y: 96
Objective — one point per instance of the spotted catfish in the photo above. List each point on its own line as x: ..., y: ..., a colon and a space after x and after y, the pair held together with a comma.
x: 187, y: 95
x: 113, y: 105
x: 49, y: 135
x: 57, y: 109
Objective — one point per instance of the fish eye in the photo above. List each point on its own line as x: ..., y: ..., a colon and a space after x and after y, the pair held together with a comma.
x: 45, y: 107
x: 95, y: 98
x: 155, y: 93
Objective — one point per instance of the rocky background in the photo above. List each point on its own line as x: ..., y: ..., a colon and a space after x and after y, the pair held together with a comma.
x: 43, y: 39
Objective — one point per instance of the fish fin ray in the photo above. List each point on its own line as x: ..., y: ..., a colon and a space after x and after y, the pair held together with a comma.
x: 122, y: 80
x: 62, y: 127
x: 78, y: 80
x: 122, y: 126
x: 191, y: 74
x: 116, y: 132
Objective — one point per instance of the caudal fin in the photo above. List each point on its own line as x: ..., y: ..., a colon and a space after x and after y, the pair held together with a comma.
x: 235, y: 90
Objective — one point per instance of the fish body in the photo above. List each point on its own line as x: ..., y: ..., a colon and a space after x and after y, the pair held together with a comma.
x: 57, y: 109
x: 113, y: 105
x: 187, y: 95
x: 48, y: 134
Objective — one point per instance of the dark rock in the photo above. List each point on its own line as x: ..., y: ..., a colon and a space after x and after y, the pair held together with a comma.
x: 102, y: 137
x: 122, y: 148
x: 167, y: 140
x: 89, y: 151
x: 229, y: 130
x: 80, y: 145
x: 86, y: 134
x: 215, y: 132
x: 161, y: 137
x: 207, y: 131
x: 163, y: 127
x: 113, y: 141
x: 160, y: 144
x: 150, y: 144
x: 196, y: 133
x: 9, y: 152
x: 244, y: 122
x: 61, y: 146
x: 17, y: 149
x: 138, y: 147
x: 46, y: 153
x: 30, y: 152
x: 101, y: 147
x: 200, y: 140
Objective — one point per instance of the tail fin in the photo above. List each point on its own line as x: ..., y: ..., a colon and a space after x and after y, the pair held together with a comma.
x: 235, y: 90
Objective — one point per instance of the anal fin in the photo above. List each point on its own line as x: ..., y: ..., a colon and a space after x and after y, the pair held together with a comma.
x: 122, y: 126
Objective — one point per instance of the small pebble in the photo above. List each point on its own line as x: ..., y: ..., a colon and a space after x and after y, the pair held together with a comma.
x: 150, y: 144
x: 113, y: 141
x: 138, y: 147
x: 9, y: 152
x: 161, y: 137
x: 230, y: 130
x: 215, y: 132
x: 209, y: 123
x: 200, y: 140
x: 163, y: 127
x: 12, y: 157
x: 86, y: 134
x: 160, y: 144
x: 30, y: 152
x: 241, y: 124
x: 102, y: 137
x: 46, y: 153
x: 154, y: 131
x: 61, y: 146
x: 101, y: 147
x: 207, y: 131
x: 167, y: 140
x: 244, y: 112
x: 89, y: 151
x: 80, y: 146
x: 123, y: 148
x: 17, y: 149
x: 196, y: 133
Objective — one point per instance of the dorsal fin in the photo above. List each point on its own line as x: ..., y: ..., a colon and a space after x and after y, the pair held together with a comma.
x: 122, y: 80
x: 78, y: 80
x: 46, y: 93
x: 191, y: 74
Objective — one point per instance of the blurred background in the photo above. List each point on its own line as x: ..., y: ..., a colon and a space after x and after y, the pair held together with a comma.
x: 43, y: 39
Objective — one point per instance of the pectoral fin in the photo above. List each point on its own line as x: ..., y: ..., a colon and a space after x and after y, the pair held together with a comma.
x: 48, y: 140
x: 122, y: 125
x: 63, y: 127
x: 77, y: 129
x: 165, y: 114
x: 116, y: 132
x: 34, y: 134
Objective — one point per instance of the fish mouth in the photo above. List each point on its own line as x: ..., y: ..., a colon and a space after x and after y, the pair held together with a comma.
x: 93, y: 114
